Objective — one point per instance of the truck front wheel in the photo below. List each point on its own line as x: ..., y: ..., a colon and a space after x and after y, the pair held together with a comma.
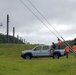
x: 56, y: 56
x: 28, y: 56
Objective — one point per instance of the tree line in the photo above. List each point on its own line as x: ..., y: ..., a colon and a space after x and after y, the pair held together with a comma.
x: 3, y: 39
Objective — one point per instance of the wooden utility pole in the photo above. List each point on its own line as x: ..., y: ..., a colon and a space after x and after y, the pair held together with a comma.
x: 7, y: 28
x: 13, y: 34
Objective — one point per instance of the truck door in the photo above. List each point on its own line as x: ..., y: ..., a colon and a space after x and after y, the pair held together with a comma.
x: 37, y: 51
x: 46, y: 51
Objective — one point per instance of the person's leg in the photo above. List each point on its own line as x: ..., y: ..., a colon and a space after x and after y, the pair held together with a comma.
x: 66, y: 54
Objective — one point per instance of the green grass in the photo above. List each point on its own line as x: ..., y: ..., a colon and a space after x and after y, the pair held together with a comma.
x: 11, y: 63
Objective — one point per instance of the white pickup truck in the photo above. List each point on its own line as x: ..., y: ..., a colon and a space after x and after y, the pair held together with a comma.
x: 42, y: 51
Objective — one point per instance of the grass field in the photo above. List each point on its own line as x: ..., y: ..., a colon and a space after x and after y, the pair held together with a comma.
x: 12, y: 64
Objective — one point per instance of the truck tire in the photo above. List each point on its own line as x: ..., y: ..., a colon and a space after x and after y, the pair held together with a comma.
x: 28, y: 56
x: 56, y: 56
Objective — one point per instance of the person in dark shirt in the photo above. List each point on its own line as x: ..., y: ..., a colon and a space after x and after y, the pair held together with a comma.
x: 53, y: 47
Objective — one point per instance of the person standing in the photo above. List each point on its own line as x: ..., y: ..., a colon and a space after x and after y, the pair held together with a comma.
x: 74, y: 47
x: 53, y: 47
x: 66, y: 51
x: 59, y: 43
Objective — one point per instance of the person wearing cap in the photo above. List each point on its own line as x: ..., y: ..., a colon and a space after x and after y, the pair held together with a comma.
x: 66, y: 51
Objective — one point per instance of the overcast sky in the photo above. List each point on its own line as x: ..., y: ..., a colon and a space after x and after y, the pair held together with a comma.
x: 60, y: 13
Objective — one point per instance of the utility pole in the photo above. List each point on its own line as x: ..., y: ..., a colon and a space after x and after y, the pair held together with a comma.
x: 17, y: 39
x: 7, y: 28
x: 13, y: 34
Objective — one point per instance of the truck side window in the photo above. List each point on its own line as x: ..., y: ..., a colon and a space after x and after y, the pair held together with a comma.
x: 45, y: 47
x: 38, y: 48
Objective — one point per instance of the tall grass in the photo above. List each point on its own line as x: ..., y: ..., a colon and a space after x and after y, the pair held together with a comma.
x: 11, y: 63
